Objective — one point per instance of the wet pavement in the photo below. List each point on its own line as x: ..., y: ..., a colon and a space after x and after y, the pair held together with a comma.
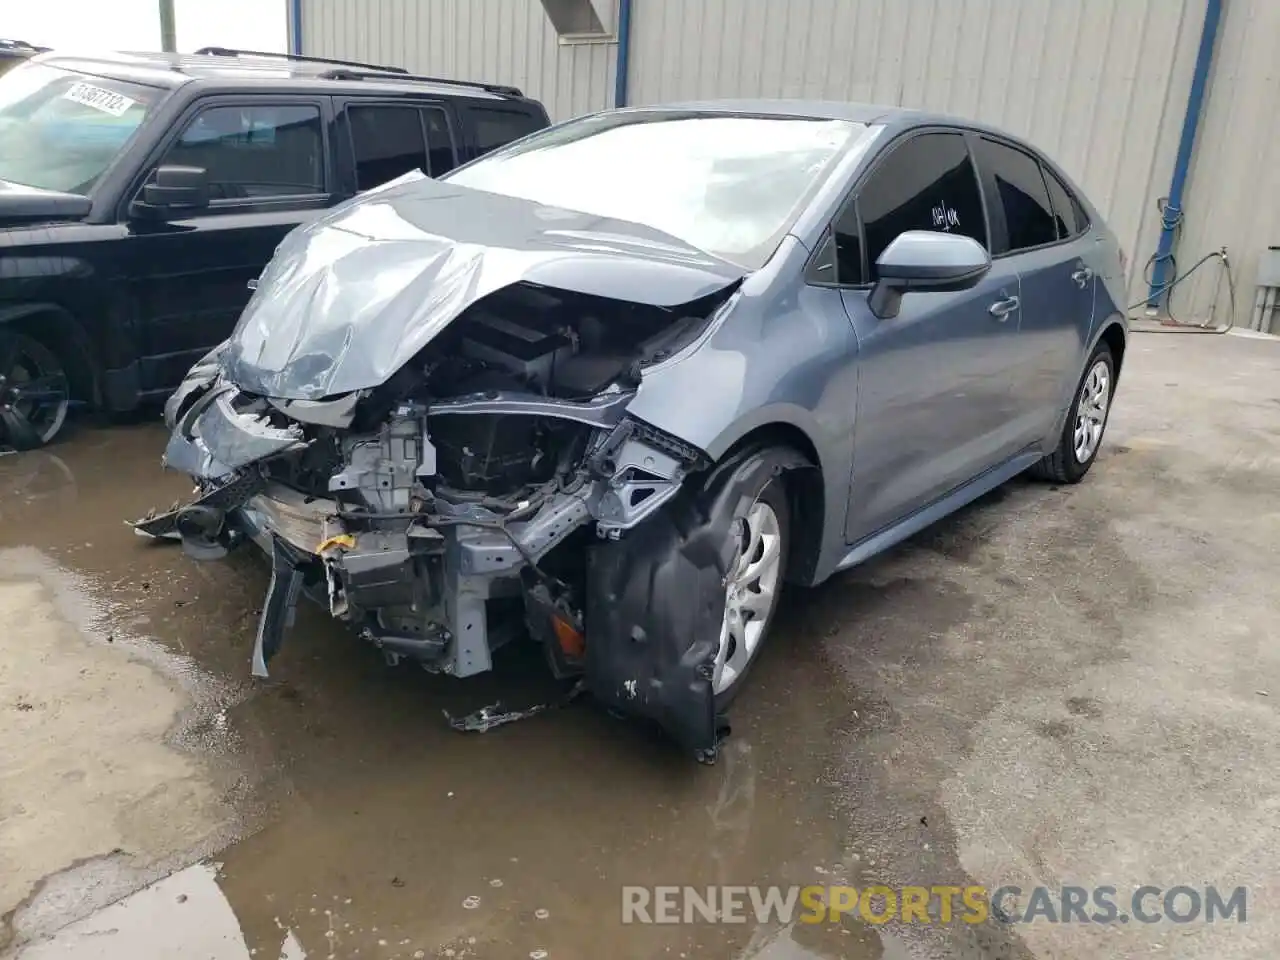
x: 372, y: 829
x: 874, y: 744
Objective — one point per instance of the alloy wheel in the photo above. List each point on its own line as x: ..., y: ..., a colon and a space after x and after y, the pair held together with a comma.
x: 34, y: 393
x: 751, y: 591
x: 1091, y: 411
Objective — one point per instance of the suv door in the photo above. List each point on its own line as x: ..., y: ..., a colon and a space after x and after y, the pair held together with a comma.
x: 387, y: 139
x: 933, y: 405
x: 1040, y: 238
x: 266, y: 161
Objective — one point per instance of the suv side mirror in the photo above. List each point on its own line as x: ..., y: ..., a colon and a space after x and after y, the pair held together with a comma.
x: 925, y: 260
x: 173, y: 192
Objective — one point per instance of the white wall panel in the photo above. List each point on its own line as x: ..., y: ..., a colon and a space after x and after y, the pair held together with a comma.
x: 501, y: 41
x: 1101, y: 85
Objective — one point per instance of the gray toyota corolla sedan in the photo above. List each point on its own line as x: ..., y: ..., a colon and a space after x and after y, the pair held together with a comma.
x: 606, y: 389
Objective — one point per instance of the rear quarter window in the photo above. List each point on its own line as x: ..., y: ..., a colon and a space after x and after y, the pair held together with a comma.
x: 494, y: 127
x: 1067, y: 211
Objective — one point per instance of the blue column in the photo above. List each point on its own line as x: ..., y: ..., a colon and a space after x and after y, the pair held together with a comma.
x: 1186, y: 147
x: 624, y: 54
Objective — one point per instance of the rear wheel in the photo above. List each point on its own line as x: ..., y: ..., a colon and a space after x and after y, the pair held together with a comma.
x: 34, y: 392
x: 1086, y: 421
x: 761, y: 535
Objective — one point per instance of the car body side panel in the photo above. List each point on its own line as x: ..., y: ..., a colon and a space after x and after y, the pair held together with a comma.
x: 783, y: 352
x: 1053, y: 333
x: 934, y: 397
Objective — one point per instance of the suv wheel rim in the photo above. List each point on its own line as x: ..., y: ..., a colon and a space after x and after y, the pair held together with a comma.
x: 33, y: 398
x: 751, y: 590
x: 1091, y: 411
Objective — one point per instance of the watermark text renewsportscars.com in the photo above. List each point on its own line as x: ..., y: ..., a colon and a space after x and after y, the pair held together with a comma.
x: 940, y: 903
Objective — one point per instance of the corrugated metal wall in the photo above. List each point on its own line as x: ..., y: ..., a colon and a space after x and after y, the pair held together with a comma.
x: 1101, y: 85
x: 502, y: 41
x: 1233, y: 196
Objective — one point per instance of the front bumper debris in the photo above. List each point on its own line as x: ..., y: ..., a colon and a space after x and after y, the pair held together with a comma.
x: 436, y: 582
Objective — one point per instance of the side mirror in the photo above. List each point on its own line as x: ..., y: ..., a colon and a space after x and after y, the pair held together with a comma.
x: 925, y: 260
x: 173, y: 192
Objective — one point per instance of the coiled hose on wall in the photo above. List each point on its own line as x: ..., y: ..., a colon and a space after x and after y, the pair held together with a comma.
x: 1171, y: 220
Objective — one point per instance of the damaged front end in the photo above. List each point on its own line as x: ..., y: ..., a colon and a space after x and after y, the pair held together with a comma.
x: 493, y: 489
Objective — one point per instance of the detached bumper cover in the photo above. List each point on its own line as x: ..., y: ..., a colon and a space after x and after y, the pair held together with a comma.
x: 655, y: 605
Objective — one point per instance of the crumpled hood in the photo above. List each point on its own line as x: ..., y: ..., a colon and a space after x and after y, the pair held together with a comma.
x: 351, y: 297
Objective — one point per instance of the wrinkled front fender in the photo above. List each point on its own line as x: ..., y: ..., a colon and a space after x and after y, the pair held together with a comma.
x: 656, y: 600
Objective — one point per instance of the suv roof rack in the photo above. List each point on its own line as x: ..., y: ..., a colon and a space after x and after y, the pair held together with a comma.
x: 400, y: 75
x: 296, y: 57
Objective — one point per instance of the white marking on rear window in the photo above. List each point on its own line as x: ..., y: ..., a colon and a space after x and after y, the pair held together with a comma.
x: 108, y: 101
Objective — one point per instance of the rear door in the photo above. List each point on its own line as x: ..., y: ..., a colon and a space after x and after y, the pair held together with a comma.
x: 933, y: 402
x: 385, y: 139
x: 266, y: 160
x: 1039, y: 238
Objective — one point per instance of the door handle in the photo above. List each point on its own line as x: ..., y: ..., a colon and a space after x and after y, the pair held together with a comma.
x: 1082, y: 276
x: 1002, y: 308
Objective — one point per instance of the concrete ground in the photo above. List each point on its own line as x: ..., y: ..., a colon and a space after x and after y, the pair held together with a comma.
x: 1059, y: 686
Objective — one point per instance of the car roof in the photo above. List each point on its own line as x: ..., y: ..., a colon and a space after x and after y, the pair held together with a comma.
x: 900, y: 118
x: 816, y: 109
x: 230, y: 68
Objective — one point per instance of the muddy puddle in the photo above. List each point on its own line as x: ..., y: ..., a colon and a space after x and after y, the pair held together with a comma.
x: 368, y: 827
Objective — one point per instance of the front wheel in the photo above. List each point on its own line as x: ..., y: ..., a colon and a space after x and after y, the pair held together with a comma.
x: 1086, y: 421
x: 34, y: 392
x: 760, y: 534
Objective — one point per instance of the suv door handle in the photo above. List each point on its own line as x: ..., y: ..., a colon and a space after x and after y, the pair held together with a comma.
x: 1082, y: 276
x: 1002, y: 308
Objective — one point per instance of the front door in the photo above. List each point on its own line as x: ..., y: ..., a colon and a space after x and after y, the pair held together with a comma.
x: 189, y: 278
x: 934, y: 407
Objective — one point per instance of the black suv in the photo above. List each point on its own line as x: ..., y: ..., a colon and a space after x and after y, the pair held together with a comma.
x: 141, y: 194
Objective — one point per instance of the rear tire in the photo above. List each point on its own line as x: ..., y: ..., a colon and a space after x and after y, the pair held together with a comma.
x: 34, y: 392
x: 1086, y: 421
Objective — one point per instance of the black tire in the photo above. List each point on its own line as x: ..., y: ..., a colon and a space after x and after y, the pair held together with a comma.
x: 34, y: 392
x: 773, y: 493
x: 1064, y: 465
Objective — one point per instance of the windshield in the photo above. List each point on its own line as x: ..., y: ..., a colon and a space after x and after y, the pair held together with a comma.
x: 61, y: 130
x: 729, y: 185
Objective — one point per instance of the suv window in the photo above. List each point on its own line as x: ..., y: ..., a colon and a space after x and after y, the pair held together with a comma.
x: 1022, y: 194
x: 927, y: 183
x: 253, y: 152
x: 1067, y: 212
x: 390, y: 140
x: 496, y: 128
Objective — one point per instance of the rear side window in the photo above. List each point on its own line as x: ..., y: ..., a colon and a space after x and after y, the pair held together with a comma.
x: 1022, y: 195
x: 391, y: 140
x: 1067, y: 212
x: 494, y: 128
x: 926, y: 183
x: 255, y: 152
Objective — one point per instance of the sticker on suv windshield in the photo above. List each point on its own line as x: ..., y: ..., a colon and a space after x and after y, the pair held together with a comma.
x: 108, y: 101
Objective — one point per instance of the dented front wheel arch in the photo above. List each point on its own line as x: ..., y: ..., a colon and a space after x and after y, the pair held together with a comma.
x: 655, y: 601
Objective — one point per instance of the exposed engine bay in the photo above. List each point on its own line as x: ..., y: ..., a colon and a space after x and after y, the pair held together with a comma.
x: 454, y: 508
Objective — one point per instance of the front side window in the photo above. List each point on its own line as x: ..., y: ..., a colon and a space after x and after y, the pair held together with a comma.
x: 926, y: 183
x: 1022, y: 195
x: 61, y: 130
x: 255, y: 152
x: 727, y: 184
